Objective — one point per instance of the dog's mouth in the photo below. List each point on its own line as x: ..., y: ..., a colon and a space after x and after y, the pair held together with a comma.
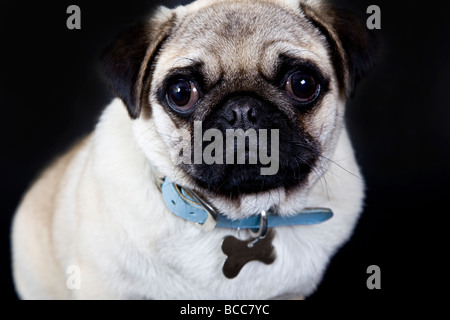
x: 235, y: 180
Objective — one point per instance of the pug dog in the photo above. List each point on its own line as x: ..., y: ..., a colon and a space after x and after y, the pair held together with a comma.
x: 98, y: 222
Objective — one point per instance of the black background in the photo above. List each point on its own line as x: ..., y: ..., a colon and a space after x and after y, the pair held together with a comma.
x: 51, y: 94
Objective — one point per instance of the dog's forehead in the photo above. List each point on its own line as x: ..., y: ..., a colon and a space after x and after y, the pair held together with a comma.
x: 242, y: 37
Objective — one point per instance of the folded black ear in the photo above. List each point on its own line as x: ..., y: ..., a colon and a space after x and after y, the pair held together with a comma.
x: 352, y: 45
x: 127, y: 62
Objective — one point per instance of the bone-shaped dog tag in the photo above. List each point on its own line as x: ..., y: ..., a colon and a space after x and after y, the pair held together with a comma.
x: 239, y: 252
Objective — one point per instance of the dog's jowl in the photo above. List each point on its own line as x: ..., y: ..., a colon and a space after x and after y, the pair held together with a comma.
x: 221, y: 170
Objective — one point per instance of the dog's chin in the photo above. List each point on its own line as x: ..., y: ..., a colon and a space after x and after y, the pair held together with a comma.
x: 234, y: 181
x: 239, y: 191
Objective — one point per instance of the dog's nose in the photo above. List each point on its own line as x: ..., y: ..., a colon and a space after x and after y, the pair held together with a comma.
x: 241, y: 114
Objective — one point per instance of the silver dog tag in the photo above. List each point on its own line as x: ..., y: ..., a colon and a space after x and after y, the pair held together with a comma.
x: 240, y: 252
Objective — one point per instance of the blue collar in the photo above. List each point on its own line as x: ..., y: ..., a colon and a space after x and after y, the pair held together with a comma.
x: 189, y: 206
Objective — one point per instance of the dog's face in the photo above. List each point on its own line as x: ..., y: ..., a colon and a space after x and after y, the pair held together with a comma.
x: 272, y: 72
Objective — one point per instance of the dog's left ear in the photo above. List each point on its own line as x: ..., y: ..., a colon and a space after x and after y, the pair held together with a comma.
x: 352, y: 46
x: 127, y: 62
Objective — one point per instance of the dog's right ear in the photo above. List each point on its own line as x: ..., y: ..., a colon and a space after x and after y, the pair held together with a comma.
x: 127, y: 62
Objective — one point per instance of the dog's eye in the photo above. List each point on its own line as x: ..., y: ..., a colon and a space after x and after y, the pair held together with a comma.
x: 302, y: 87
x: 182, y: 95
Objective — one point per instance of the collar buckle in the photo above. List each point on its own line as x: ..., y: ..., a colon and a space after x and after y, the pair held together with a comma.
x: 211, y: 220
